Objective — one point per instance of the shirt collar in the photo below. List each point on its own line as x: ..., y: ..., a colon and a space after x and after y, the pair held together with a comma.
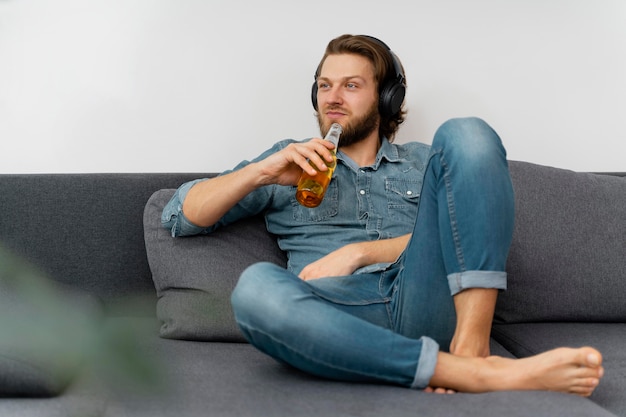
x: 387, y: 151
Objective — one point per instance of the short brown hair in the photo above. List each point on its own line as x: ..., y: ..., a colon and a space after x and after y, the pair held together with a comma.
x: 383, y: 64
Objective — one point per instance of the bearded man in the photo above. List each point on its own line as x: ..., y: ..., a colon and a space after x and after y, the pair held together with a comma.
x: 394, y: 277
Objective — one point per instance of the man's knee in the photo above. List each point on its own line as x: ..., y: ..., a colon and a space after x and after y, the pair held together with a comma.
x: 264, y: 296
x: 252, y: 283
x: 469, y: 137
x: 463, y: 129
x: 256, y: 304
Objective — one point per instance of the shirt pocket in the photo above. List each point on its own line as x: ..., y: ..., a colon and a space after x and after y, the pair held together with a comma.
x: 403, y: 198
x: 328, y: 208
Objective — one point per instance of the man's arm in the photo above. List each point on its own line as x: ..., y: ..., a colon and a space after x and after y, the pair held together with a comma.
x: 207, y: 201
x: 346, y: 260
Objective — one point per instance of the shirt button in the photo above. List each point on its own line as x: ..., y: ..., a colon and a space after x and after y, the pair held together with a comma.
x: 409, y: 192
x: 362, y: 192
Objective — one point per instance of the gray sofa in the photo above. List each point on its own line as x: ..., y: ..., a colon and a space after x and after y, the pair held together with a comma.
x: 119, y: 319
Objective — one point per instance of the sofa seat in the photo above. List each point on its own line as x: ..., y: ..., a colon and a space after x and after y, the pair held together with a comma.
x: 234, y: 379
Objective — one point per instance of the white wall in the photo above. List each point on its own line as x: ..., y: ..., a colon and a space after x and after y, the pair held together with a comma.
x: 198, y: 85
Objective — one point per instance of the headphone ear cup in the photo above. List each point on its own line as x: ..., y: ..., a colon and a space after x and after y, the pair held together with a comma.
x: 391, y: 98
x: 314, y: 95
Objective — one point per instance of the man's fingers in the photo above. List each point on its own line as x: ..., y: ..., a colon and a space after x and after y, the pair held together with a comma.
x: 311, y: 156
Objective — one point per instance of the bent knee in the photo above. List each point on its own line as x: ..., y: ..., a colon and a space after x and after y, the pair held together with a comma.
x: 472, y: 137
x: 250, y: 285
x: 265, y: 299
x: 264, y: 289
x: 463, y: 128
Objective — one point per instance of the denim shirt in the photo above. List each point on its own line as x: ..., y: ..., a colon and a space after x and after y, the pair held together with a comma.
x: 361, y: 204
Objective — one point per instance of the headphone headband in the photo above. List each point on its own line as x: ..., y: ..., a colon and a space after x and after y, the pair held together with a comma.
x: 397, y: 67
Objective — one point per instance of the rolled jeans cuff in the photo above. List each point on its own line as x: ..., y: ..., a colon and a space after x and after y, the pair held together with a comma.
x: 476, y: 279
x: 426, y: 364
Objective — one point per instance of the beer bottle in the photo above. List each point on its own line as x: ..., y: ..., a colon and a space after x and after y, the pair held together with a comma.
x: 311, y: 188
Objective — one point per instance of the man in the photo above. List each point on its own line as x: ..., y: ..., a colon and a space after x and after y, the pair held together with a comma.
x: 374, y: 290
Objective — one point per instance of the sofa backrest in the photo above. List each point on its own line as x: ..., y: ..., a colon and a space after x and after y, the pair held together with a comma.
x: 83, y: 229
x: 567, y: 258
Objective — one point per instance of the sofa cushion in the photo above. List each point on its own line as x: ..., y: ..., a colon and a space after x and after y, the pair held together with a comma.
x: 567, y: 256
x: 237, y: 380
x: 45, y: 330
x: 194, y: 276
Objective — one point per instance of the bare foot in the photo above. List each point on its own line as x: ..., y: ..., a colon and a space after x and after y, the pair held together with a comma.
x: 439, y: 390
x: 575, y: 371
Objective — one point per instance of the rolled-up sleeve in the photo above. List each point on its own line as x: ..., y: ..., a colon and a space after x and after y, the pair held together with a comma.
x: 173, y: 217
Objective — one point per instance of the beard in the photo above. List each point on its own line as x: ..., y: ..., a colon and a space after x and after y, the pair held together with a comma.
x: 355, y: 130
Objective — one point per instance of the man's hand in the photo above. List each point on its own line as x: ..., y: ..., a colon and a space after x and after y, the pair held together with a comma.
x: 286, y: 166
x: 209, y: 200
x: 342, y: 262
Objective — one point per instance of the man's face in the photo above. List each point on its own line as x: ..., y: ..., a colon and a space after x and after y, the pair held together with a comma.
x: 347, y: 94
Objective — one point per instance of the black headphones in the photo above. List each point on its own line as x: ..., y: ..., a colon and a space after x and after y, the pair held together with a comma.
x: 391, y: 91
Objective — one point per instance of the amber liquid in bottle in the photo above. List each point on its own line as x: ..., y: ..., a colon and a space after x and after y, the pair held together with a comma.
x: 311, y: 188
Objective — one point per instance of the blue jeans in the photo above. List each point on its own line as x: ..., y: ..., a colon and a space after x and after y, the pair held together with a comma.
x: 389, y: 326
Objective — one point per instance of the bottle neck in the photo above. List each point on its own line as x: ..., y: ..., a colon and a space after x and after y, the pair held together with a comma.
x: 333, y: 134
